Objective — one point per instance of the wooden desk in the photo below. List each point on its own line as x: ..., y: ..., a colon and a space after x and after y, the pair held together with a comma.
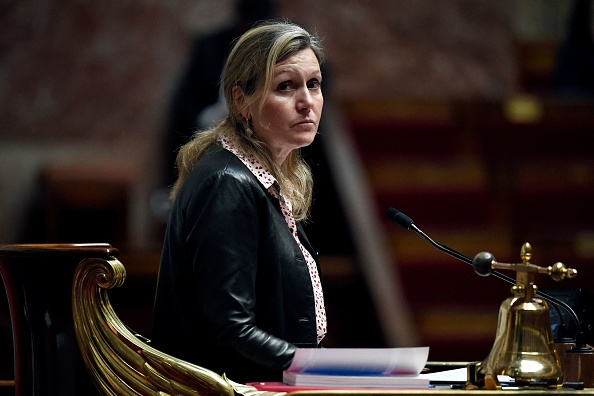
x: 448, y: 392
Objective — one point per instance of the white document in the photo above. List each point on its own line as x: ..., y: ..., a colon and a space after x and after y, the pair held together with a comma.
x: 454, y: 375
x: 360, y: 361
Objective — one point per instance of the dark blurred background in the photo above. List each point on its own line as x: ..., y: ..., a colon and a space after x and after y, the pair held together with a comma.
x: 473, y: 117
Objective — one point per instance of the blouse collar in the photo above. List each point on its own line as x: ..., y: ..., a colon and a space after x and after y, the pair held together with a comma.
x: 253, y: 164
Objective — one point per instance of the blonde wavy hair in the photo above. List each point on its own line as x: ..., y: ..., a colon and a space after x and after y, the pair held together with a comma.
x: 250, y: 66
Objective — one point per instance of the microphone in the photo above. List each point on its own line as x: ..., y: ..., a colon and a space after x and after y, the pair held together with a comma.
x: 407, y: 223
x: 482, y: 266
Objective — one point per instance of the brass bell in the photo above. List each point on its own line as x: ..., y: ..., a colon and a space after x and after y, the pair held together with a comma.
x: 524, y: 348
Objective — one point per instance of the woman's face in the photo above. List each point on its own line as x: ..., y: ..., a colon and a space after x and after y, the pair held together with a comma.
x: 291, y: 114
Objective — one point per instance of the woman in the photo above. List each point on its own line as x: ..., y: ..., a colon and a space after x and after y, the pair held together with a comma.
x: 239, y: 287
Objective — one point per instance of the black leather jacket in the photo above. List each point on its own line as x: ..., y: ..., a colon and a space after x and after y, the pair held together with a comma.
x: 234, y: 293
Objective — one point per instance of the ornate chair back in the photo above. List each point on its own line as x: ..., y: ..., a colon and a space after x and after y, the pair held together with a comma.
x: 121, y: 362
x: 69, y: 341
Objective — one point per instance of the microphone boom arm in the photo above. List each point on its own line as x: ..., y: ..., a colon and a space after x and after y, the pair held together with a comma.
x: 406, y: 222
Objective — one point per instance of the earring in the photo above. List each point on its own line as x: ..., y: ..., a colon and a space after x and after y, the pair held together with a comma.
x: 248, y: 126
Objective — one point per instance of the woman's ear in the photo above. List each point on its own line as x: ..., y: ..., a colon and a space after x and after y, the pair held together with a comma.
x: 239, y: 101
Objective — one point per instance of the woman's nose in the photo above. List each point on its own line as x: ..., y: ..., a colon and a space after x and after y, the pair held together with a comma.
x: 305, y: 99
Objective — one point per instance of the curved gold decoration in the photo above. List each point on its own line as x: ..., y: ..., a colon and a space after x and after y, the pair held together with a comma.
x: 119, y: 362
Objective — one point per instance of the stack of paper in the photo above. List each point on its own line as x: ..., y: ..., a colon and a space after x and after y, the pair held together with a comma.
x: 358, y: 368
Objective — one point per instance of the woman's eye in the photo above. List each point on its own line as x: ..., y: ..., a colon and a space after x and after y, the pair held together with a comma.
x: 284, y: 86
x: 314, y: 84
